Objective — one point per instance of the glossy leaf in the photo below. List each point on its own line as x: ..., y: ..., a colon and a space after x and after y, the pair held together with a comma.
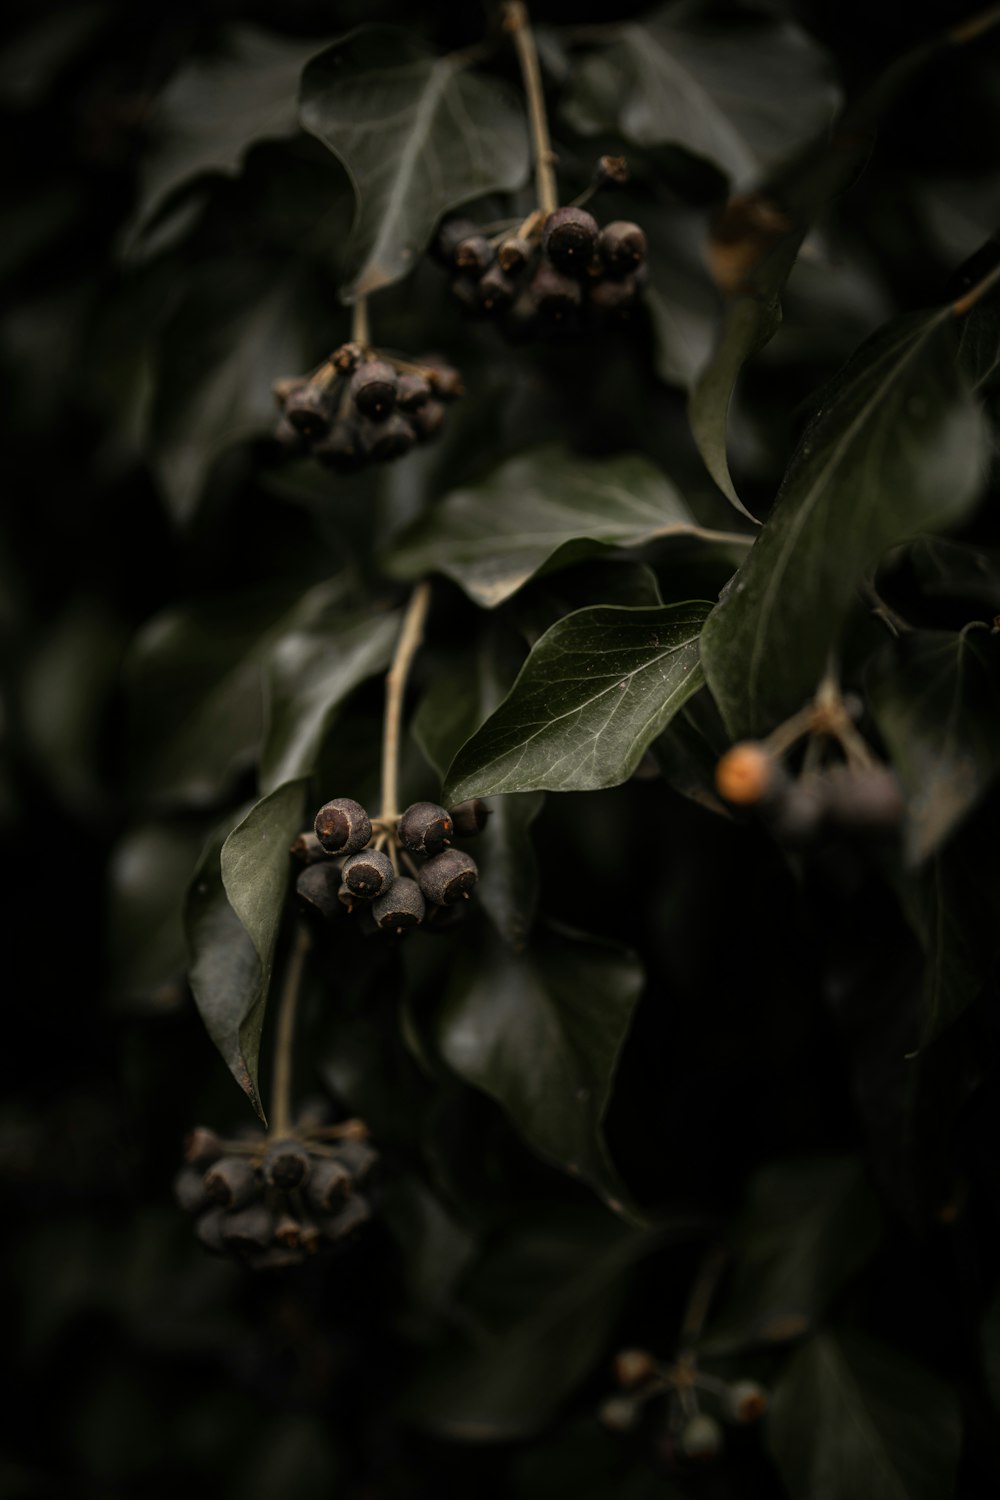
x: 418, y: 134
x: 934, y: 695
x: 542, y: 1032
x: 896, y: 448
x: 597, y: 688
x: 852, y: 1417
x: 216, y: 108
x: 806, y: 1228
x: 742, y: 99
x: 233, y: 916
x: 541, y: 511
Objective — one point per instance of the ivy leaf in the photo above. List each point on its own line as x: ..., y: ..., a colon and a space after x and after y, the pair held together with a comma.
x: 934, y: 696
x: 852, y: 1417
x: 232, y: 918
x: 541, y: 511
x: 310, y: 672
x: 807, y: 1227
x: 955, y: 914
x: 741, y: 98
x: 149, y: 869
x: 217, y: 107
x: 541, y: 1032
x: 418, y: 135
x: 596, y: 689
x: 895, y: 448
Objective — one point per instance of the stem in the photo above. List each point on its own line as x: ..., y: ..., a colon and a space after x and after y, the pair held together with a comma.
x: 962, y: 306
x: 395, y: 686
x: 285, y: 1034
x: 967, y: 31
x: 360, y: 330
x: 698, y: 1305
x: 515, y: 20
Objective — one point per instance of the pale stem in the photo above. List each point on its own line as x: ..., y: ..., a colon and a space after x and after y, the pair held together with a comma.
x: 698, y: 1305
x: 515, y: 20
x: 360, y: 330
x: 410, y: 636
x: 281, y: 1094
x: 964, y: 304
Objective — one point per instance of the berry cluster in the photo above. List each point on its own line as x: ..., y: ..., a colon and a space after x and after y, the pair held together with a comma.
x: 553, y: 271
x: 353, y: 860
x: 859, y: 798
x: 688, y: 1434
x: 362, y: 406
x: 271, y: 1202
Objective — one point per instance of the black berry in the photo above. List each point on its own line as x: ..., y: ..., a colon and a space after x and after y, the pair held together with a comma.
x: 412, y: 391
x: 232, y: 1182
x: 469, y: 817
x: 866, y: 800
x: 309, y: 410
x: 450, y: 236
x: 208, y: 1228
x: 202, y: 1147
x: 342, y: 826
x: 286, y: 1165
x: 611, y: 171
x: 425, y: 828
x: 401, y: 907
x: 358, y: 1157
x: 316, y: 889
x: 388, y: 438
x: 556, y: 296
x: 473, y: 254
x: 191, y: 1192
x: 354, y: 1213
x: 568, y: 239
x: 514, y: 254
x: 615, y: 296
x: 248, y: 1229
x: 340, y: 449
x: 446, y: 380
x: 448, y: 877
x: 427, y: 421
x: 329, y: 1184
x: 622, y: 247
x: 287, y: 386
x: 373, y: 389
x: 368, y: 874
x: 495, y: 289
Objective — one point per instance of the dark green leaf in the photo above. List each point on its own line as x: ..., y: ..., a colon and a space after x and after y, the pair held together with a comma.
x: 934, y: 695
x: 955, y: 913
x: 949, y: 570
x: 149, y: 870
x: 541, y: 1032
x: 896, y: 448
x: 541, y: 511
x: 215, y: 108
x: 418, y: 134
x: 309, y: 673
x: 807, y: 1227
x: 596, y: 689
x: 233, y: 916
x: 689, y: 749
x: 741, y: 98
x: 851, y: 1417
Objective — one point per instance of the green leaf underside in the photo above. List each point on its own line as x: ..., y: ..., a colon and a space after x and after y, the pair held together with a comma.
x: 896, y: 448
x: 935, y: 697
x: 216, y: 108
x: 418, y: 135
x: 233, y: 917
x: 851, y: 1417
x: 541, y: 1032
x: 807, y: 1227
x: 596, y: 689
x: 538, y: 512
x: 741, y: 101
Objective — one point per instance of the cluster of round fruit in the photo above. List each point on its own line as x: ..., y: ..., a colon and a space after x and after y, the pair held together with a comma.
x: 550, y: 273
x: 859, y: 798
x: 689, y: 1434
x: 353, y: 860
x: 271, y: 1202
x: 364, y: 406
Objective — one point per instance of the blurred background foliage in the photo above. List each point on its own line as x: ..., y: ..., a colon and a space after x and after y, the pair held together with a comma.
x: 158, y: 555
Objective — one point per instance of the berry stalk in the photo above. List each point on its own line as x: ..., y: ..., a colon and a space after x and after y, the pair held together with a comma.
x: 360, y: 327
x: 410, y: 637
x: 516, y: 22
x: 281, y: 1089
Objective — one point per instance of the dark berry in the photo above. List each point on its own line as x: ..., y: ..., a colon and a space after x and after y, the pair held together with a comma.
x: 465, y: 290
x: 373, y: 389
x: 386, y: 439
x: 425, y: 828
x: 514, y: 254
x: 342, y: 826
x: 338, y: 1226
x: 556, y: 296
x: 611, y: 171
x: 307, y: 849
x: 495, y: 289
x: 427, y: 421
x: 286, y: 1165
x: 309, y: 411
x: 446, y: 380
x: 401, y: 906
x: 232, y: 1181
x: 330, y: 1183
x: 867, y: 799
x: 622, y: 247
x: 449, y: 876
x: 340, y: 449
x: 469, y: 817
x: 202, y: 1147
x: 358, y: 1157
x: 288, y: 437
x: 797, y: 812
x: 287, y: 1232
x: 287, y: 386
x: 450, y: 236
x: 614, y: 296
x: 412, y: 391
x: 316, y: 889
x: 368, y: 874
x: 568, y: 239
x: 191, y: 1192
x: 208, y: 1228
x: 248, y: 1229
x: 473, y: 254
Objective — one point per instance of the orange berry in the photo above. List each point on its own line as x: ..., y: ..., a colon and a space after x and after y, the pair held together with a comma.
x: 746, y: 773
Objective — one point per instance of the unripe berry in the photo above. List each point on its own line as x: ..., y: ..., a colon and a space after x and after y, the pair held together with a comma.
x: 469, y: 817
x: 427, y: 421
x: 496, y: 289
x: 232, y: 1181
x: 286, y: 1165
x: 412, y: 391
x: 568, y: 239
x: 473, y: 254
x: 316, y: 889
x: 747, y: 774
x: 368, y: 874
x: 248, y: 1229
x: 309, y: 410
x: 448, y: 876
x: 342, y: 826
x: 401, y: 906
x: 622, y: 247
x: 514, y: 254
x: 633, y: 1367
x: 340, y: 449
x: 611, y: 171
x: 747, y: 1401
x: 202, y: 1147
x: 701, y: 1437
x: 190, y: 1191
x: 330, y: 1183
x: 618, y: 1414
x: 424, y: 828
x: 386, y: 439
x: 373, y: 389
